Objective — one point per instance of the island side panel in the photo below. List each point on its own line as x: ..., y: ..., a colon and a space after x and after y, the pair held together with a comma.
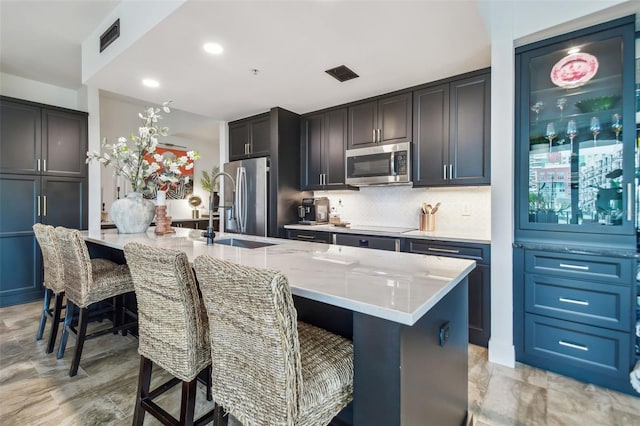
x: 402, y: 374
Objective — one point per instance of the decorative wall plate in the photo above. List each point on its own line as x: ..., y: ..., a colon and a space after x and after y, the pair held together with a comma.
x: 574, y: 70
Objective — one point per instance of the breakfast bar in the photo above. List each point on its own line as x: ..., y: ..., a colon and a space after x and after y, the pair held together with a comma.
x: 406, y: 314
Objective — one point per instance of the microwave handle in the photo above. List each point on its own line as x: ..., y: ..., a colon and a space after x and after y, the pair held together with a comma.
x: 392, y: 162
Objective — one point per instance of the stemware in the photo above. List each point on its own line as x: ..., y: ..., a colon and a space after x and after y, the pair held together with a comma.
x: 561, y: 102
x: 595, y: 128
x: 572, y: 131
x: 616, y: 125
x: 550, y: 133
x: 537, y: 107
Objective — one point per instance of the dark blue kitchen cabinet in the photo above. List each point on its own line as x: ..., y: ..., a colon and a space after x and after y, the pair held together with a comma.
x: 575, y: 214
x: 43, y: 179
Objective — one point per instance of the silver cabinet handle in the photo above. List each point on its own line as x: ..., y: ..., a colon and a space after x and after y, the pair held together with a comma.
x: 379, y: 135
x: 38, y: 164
x: 573, y: 345
x: 44, y: 210
x: 574, y: 301
x: 443, y: 250
x: 44, y: 167
x: 450, y: 171
x: 396, y: 246
x: 374, y: 135
x: 629, y: 205
x: 569, y: 266
x: 306, y: 237
x: 38, y: 204
x: 320, y: 179
x: 444, y: 171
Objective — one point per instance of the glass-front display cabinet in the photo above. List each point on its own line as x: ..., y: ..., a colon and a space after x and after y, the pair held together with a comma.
x: 575, y: 132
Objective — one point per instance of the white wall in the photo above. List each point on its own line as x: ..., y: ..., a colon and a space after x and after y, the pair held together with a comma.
x: 514, y: 23
x: 36, y: 91
x: 119, y: 117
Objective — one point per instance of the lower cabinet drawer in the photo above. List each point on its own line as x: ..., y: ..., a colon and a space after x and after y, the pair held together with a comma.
x: 586, y: 267
x: 590, y: 303
x: 381, y: 243
x: 578, y: 346
x: 313, y: 236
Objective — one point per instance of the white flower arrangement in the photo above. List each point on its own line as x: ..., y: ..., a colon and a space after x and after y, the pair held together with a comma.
x: 130, y: 162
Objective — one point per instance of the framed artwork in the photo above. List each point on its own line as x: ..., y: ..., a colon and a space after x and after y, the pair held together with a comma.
x: 175, y: 190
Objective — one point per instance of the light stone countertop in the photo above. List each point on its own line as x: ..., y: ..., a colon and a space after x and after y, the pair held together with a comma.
x: 438, y: 234
x: 399, y: 287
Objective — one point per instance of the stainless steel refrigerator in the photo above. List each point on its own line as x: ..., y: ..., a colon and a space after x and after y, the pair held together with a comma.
x: 247, y: 203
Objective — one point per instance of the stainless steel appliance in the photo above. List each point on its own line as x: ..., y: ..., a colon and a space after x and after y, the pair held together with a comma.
x: 377, y: 165
x: 249, y: 213
x: 314, y: 211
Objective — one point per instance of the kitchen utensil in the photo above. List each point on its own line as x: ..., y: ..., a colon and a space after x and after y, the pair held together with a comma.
x: 435, y: 209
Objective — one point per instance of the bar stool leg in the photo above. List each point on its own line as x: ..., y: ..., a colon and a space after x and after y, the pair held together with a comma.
x: 68, y: 316
x: 45, y: 310
x: 55, y: 322
x: 144, y: 384
x: 188, y: 404
x: 82, y: 332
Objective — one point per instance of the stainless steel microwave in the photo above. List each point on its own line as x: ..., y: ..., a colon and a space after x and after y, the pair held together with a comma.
x: 378, y: 165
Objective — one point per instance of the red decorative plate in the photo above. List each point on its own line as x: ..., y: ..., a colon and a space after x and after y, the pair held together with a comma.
x: 574, y: 70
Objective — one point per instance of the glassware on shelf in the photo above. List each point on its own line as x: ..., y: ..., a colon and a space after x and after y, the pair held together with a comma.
x: 572, y: 131
x: 616, y: 125
x: 550, y: 133
x: 561, y: 102
x: 595, y: 129
x: 537, y: 107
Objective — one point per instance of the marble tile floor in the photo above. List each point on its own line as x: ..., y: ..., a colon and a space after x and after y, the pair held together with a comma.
x: 35, y: 388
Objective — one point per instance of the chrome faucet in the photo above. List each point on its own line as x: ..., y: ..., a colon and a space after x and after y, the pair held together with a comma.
x: 210, y: 233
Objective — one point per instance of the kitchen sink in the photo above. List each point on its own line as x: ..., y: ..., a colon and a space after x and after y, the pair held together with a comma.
x: 235, y: 242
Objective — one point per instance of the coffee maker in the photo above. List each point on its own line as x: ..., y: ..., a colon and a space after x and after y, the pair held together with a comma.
x: 314, y: 211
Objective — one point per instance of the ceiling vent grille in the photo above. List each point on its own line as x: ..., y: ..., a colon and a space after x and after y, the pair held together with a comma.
x: 342, y: 73
x: 109, y: 36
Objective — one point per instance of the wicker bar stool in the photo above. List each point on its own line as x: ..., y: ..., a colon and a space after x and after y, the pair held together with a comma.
x: 87, y: 282
x: 173, y: 330
x: 270, y: 369
x: 53, y: 282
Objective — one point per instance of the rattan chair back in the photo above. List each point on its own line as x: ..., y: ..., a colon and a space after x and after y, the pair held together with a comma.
x: 53, y: 271
x: 254, y: 341
x: 172, y: 322
x: 78, y: 272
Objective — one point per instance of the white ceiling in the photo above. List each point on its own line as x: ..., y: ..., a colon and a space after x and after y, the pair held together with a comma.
x: 390, y: 44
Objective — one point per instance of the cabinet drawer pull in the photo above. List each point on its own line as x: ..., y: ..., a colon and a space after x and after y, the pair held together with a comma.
x: 569, y: 266
x: 573, y: 345
x: 574, y: 301
x: 443, y: 250
x: 308, y: 237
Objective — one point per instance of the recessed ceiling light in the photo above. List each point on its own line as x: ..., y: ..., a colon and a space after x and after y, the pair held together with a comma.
x: 150, y: 82
x: 573, y: 50
x: 213, y: 48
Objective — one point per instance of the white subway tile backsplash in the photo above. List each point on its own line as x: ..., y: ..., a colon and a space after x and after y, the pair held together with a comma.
x: 466, y: 209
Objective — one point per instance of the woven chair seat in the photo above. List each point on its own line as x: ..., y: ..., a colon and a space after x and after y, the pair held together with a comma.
x: 108, y: 281
x: 327, y: 374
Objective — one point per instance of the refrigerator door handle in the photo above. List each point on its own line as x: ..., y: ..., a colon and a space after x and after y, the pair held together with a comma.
x: 244, y: 200
x: 238, y: 199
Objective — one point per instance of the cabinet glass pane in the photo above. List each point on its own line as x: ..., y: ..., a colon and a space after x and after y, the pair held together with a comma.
x: 575, y: 135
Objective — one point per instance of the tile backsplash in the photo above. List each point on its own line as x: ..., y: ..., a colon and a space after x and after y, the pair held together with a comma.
x: 465, y: 209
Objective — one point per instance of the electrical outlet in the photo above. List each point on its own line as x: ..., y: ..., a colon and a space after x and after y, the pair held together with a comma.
x: 466, y: 209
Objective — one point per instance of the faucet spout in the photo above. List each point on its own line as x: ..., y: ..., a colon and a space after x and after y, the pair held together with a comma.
x: 210, y: 233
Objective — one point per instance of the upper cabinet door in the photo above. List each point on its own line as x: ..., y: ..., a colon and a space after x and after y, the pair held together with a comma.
x: 64, y: 143
x: 576, y: 134
x: 238, y: 140
x: 335, y: 144
x: 20, y: 138
x: 431, y: 144
x: 311, y: 164
x: 260, y: 134
x: 394, y: 119
x: 363, y: 124
x: 470, y: 130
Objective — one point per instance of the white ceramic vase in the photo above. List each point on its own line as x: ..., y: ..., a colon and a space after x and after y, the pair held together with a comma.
x: 132, y: 214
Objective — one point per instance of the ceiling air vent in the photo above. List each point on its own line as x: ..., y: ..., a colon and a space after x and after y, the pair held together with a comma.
x: 342, y: 73
x: 109, y: 36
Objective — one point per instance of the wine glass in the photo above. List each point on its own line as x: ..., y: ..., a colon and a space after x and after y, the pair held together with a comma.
x: 616, y: 125
x: 561, y: 102
x: 595, y: 128
x: 550, y: 133
x: 572, y: 131
x: 537, y: 107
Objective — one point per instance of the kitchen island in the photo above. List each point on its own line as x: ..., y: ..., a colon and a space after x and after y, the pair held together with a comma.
x: 406, y: 314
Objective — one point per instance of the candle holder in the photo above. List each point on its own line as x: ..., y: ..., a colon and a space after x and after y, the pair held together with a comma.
x: 163, y: 222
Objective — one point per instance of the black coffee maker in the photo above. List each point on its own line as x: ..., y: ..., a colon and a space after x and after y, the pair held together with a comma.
x: 314, y: 211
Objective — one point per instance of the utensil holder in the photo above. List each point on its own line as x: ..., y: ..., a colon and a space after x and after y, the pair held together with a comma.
x: 427, y: 222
